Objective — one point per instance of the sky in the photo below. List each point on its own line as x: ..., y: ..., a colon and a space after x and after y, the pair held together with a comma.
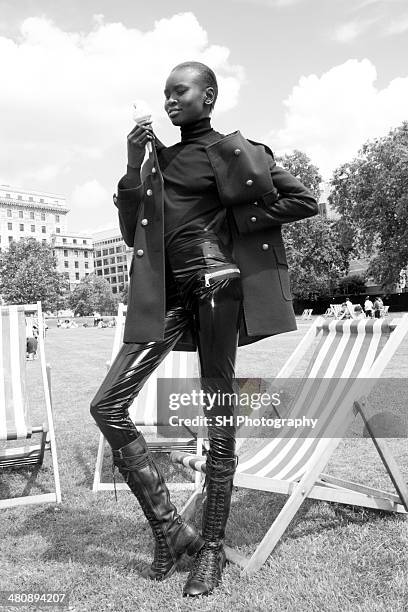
x: 322, y: 76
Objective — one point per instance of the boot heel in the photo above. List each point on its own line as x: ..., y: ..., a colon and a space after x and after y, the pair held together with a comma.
x: 195, y: 546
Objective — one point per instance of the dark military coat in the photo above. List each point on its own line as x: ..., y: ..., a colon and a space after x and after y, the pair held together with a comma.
x: 259, y: 197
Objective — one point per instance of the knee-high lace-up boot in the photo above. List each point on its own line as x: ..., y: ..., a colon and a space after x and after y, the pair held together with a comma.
x: 172, y: 535
x: 210, y: 561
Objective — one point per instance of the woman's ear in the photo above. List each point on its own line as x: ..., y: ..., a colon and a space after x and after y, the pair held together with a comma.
x: 209, y: 95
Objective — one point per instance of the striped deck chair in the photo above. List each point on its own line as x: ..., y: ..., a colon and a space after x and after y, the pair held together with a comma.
x: 349, y: 356
x: 307, y: 313
x: 15, y: 424
x: 143, y: 412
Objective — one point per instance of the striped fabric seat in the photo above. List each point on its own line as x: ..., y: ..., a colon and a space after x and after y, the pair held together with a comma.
x: 348, y: 356
x: 17, y: 447
x: 14, y: 417
x: 341, y: 360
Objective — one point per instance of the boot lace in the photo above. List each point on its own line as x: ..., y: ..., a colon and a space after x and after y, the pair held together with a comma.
x: 206, y: 566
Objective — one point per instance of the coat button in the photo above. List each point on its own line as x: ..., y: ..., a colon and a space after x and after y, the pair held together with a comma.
x: 249, y: 183
x: 115, y: 198
x: 149, y: 192
x: 255, y: 203
x: 144, y: 222
x: 265, y: 246
x: 140, y: 252
x: 153, y: 170
x: 253, y: 219
x: 237, y: 152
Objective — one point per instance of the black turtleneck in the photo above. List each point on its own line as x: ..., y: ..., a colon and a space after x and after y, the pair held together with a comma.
x: 192, y: 208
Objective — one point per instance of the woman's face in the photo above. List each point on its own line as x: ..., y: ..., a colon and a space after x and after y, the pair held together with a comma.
x: 186, y: 96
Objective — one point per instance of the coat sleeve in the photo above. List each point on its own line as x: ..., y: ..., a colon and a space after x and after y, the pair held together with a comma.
x: 288, y: 201
x: 127, y: 201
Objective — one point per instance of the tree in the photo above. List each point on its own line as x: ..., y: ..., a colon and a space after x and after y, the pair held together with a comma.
x: 28, y: 272
x: 314, y: 257
x: 92, y: 294
x: 313, y: 245
x: 370, y: 193
x: 353, y: 284
x: 300, y: 165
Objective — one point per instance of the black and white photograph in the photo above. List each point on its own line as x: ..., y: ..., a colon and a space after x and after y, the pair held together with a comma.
x: 204, y: 305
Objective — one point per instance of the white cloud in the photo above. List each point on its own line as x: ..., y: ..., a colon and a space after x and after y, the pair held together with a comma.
x: 67, y: 97
x: 331, y: 116
x: 89, y: 195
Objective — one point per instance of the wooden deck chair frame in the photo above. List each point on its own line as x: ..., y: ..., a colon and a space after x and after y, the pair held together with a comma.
x: 167, y: 446
x: 31, y: 454
x: 314, y: 483
x: 307, y: 313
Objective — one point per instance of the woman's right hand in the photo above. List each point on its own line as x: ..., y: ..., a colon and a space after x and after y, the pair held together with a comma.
x: 137, y: 139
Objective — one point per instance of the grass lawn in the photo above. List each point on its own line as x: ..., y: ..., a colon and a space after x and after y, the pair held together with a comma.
x: 332, y: 557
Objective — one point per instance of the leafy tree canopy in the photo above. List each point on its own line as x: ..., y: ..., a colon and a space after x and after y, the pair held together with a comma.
x: 28, y: 272
x: 371, y: 194
x: 93, y: 294
x: 314, y: 249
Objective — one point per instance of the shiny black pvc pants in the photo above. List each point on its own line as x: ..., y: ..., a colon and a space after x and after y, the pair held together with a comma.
x: 214, y: 311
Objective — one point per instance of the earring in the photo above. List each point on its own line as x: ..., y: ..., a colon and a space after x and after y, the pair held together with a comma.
x: 208, y: 101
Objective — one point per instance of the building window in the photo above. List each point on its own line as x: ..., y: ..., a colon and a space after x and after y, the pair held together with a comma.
x: 9, y: 226
x: 19, y: 197
x: 86, y: 265
x: 66, y: 274
x: 105, y: 262
x: 21, y: 227
x: 57, y: 218
x: 43, y: 229
x: 76, y: 264
x: 74, y: 240
x: 98, y: 254
x: 42, y: 216
x: 58, y: 230
x: 76, y: 275
x: 114, y: 289
x: 9, y: 213
x: 84, y: 242
x: 20, y: 214
x: 113, y: 270
x: 111, y: 251
x: 120, y: 268
x: 31, y: 214
x: 30, y: 199
x: 33, y: 228
x: 65, y: 252
x: 120, y: 278
x: 76, y: 253
x: 105, y: 252
x: 99, y: 272
x: 41, y: 200
x: 10, y: 238
x: 86, y: 254
x: 66, y: 264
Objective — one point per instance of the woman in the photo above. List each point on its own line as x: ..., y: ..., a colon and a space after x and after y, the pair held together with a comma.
x: 209, y: 272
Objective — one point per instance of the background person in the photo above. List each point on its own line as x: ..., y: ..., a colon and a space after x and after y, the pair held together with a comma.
x: 209, y: 271
x: 368, y: 307
x: 378, y: 307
